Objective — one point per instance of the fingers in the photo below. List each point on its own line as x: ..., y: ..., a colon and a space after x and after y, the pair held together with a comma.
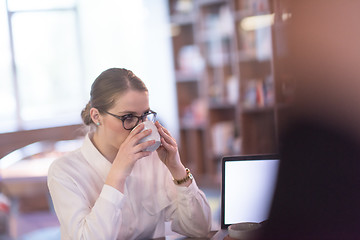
x: 136, y: 139
x: 137, y: 129
x: 132, y: 143
x: 142, y: 146
x: 166, y: 135
x: 137, y: 134
x: 142, y: 154
x: 160, y: 127
x: 141, y: 135
x: 167, y: 140
x: 165, y: 144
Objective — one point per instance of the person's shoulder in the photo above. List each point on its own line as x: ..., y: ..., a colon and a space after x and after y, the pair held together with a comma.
x: 65, y: 163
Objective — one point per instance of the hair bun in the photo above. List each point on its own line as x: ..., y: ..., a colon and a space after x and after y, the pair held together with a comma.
x: 85, y: 114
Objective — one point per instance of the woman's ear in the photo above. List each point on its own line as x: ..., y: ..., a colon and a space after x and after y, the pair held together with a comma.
x: 95, y: 116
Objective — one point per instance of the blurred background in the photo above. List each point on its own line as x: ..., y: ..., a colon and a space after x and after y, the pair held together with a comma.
x: 207, y: 64
x: 221, y: 75
x: 51, y: 52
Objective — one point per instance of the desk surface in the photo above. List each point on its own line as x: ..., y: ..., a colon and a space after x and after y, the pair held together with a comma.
x: 213, y: 235
x: 26, y: 177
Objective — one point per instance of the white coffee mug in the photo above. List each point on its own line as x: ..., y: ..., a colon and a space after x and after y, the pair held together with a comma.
x: 244, y: 230
x: 153, y: 136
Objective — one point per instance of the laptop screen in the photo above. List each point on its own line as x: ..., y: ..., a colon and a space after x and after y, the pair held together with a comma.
x: 248, y: 184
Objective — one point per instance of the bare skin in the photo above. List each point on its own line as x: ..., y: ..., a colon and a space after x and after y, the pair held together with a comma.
x: 121, y: 147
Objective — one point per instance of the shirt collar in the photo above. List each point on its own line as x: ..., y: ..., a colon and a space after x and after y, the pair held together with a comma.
x: 100, y: 164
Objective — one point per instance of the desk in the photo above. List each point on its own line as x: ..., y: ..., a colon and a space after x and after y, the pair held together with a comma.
x: 26, y: 180
x: 213, y: 235
x: 25, y: 183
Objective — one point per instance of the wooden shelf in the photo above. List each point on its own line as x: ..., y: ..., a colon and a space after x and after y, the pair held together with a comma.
x: 241, y: 14
x: 210, y: 2
x: 236, y: 73
x: 245, y: 56
x: 258, y: 109
x: 183, y: 19
x: 192, y: 127
x: 214, y: 106
x: 186, y: 77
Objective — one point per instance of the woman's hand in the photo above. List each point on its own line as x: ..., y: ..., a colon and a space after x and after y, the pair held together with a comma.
x: 129, y: 152
x: 169, y: 154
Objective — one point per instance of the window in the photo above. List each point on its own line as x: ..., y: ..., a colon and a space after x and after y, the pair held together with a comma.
x: 7, y: 97
x: 52, y: 51
x: 41, y: 69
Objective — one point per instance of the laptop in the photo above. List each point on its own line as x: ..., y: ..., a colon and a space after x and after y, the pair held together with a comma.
x: 247, y: 188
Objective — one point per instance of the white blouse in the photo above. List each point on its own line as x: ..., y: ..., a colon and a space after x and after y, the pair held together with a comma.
x: 89, y: 209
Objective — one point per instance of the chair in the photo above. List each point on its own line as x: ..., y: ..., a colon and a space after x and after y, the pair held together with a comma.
x: 23, y: 179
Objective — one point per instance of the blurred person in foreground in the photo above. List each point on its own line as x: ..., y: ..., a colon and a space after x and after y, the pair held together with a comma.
x: 112, y: 188
x: 318, y: 190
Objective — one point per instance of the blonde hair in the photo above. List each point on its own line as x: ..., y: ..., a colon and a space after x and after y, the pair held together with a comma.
x: 107, y: 86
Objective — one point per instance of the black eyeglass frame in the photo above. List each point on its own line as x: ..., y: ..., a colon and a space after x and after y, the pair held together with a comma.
x: 123, y: 118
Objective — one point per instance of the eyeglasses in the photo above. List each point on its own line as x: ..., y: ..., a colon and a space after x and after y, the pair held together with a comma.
x: 130, y: 121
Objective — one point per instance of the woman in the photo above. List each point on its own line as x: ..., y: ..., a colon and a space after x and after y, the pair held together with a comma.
x: 111, y: 188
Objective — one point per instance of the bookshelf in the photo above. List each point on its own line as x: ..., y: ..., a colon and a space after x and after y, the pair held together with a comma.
x: 223, y: 59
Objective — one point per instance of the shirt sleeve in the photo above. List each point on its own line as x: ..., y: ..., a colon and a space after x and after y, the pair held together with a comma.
x: 190, y: 212
x: 77, y: 218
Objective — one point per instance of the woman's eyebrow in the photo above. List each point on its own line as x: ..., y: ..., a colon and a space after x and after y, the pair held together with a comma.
x: 126, y: 113
x: 131, y: 112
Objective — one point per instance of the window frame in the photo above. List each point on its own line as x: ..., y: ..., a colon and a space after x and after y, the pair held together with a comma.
x: 20, y: 122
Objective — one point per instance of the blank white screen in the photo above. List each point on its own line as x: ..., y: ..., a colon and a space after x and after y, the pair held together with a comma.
x: 249, y: 187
